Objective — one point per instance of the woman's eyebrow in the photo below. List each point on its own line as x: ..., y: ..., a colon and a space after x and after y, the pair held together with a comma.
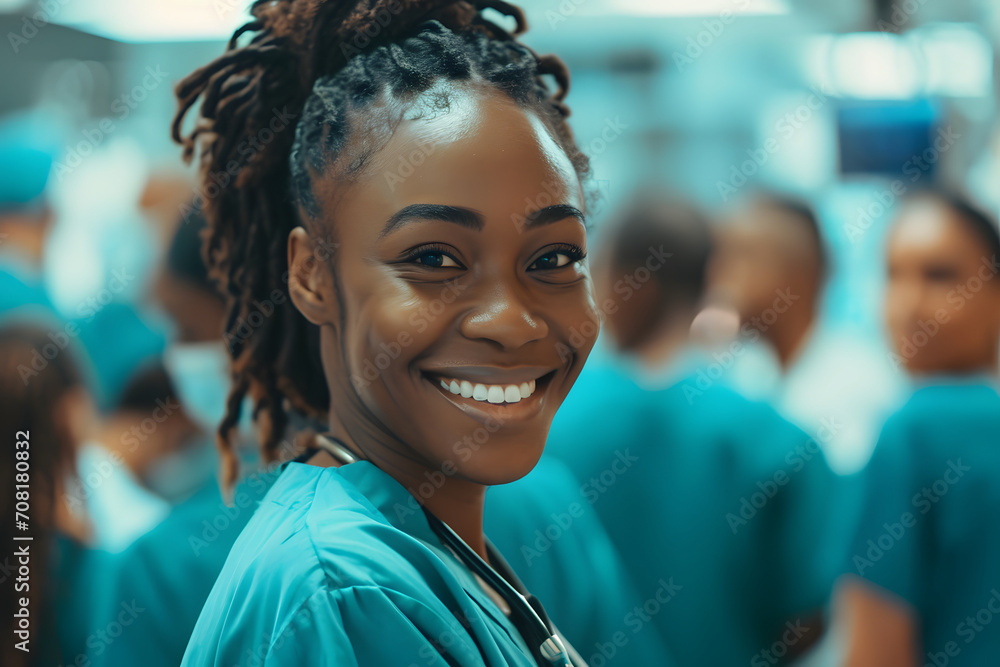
x: 465, y: 217
x: 471, y: 219
x: 554, y: 213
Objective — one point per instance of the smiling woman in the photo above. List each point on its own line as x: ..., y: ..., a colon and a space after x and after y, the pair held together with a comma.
x: 432, y: 322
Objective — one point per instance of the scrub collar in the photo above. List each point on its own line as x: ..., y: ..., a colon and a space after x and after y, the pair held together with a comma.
x: 402, y: 511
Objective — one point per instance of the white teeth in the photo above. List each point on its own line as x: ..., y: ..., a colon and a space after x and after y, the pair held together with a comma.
x: 492, y: 393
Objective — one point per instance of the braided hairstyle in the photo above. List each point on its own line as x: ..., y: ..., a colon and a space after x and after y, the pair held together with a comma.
x: 323, y: 62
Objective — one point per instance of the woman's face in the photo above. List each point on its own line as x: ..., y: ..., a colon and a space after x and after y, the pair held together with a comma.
x: 942, y: 305
x: 458, y: 263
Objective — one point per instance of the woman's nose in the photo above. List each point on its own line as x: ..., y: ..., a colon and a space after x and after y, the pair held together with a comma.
x: 504, y: 318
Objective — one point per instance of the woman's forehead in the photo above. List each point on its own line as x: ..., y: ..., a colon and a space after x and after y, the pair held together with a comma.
x: 485, y: 152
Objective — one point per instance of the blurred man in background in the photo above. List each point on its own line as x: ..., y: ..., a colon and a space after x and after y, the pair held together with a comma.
x: 771, y: 268
x: 719, y: 507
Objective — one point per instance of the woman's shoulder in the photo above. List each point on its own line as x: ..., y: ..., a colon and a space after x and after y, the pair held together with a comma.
x: 324, y: 544
x: 322, y: 525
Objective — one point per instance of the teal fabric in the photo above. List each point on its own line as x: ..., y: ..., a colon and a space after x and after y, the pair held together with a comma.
x: 928, y: 532
x: 712, y: 497
x: 76, y: 594
x: 551, y: 536
x: 339, y: 566
x: 168, y: 573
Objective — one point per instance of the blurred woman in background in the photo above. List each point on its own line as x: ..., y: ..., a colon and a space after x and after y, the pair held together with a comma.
x: 45, y: 412
x: 922, y: 580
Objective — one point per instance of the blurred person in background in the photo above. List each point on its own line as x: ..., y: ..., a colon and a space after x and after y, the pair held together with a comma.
x: 46, y: 415
x: 173, y: 567
x: 128, y: 470
x: 554, y: 541
x: 921, y: 584
x: 25, y: 215
x: 771, y: 268
x: 718, y: 506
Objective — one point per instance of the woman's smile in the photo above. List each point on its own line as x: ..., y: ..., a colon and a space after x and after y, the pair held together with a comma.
x: 492, y: 392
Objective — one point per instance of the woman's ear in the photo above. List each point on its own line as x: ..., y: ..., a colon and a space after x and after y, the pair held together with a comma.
x: 310, y: 283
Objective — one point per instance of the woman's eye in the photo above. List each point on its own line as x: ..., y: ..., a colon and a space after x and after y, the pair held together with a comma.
x: 435, y: 259
x: 555, y: 260
x: 552, y: 260
x: 941, y: 274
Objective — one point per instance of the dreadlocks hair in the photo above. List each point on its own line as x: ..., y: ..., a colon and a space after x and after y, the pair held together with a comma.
x: 323, y: 61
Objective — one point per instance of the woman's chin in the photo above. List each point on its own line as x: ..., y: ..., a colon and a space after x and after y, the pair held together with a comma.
x: 502, y: 465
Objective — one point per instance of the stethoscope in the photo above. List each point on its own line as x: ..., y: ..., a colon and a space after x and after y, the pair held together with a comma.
x: 533, y: 623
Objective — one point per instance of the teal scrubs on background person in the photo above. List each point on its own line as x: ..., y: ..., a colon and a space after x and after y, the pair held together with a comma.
x: 928, y: 530
x: 548, y: 531
x: 76, y: 593
x: 169, y: 572
x: 713, y: 494
x: 339, y: 566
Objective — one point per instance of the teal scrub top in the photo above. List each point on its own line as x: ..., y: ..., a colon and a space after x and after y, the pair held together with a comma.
x: 929, y: 531
x: 719, y: 508
x: 551, y: 536
x: 76, y: 592
x: 339, y: 566
x: 168, y: 573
